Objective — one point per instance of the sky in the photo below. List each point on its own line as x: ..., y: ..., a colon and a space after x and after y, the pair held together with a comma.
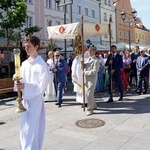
x: 142, y: 7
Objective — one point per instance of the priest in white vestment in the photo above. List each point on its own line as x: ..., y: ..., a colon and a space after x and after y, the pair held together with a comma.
x: 35, y: 78
x: 77, y: 79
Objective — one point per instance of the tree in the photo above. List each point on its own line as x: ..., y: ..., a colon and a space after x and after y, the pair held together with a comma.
x: 13, y: 17
x: 31, y: 30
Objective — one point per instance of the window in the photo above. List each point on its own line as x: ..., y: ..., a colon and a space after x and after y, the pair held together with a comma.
x: 143, y: 37
x: 146, y: 37
x: 109, y: 3
x: 86, y: 11
x: 49, y: 23
x: 48, y: 3
x: 136, y: 35
x: 57, y: 6
x: 111, y: 18
x: 120, y: 35
x: 79, y: 9
x: 29, y: 22
x: 93, y: 13
x: 123, y: 6
x: 105, y: 2
x: 105, y: 17
x: 28, y: 1
x: 124, y: 35
x: 57, y: 23
x: 127, y: 7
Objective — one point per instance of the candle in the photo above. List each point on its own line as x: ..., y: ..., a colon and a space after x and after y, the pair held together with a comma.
x: 17, y: 62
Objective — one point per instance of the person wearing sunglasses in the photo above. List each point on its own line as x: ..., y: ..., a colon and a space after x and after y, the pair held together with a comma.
x: 59, y: 67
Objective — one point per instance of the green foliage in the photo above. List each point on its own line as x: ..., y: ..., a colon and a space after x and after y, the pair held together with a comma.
x: 13, y: 16
x: 14, y: 13
x: 31, y: 30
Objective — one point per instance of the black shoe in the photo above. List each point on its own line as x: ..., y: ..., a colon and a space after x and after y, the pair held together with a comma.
x: 139, y: 93
x: 84, y: 105
x: 120, y: 99
x: 57, y: 103
x: 109, y: 100
x: 145, y: 92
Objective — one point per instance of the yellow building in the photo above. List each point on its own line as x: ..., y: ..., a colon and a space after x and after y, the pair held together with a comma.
x: 125, y: 28
x: 142, y: 34
x: 131, y: 30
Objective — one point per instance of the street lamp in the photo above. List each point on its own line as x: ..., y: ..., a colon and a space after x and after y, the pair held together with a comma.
x: 65, y: 8
x: 123, y: 17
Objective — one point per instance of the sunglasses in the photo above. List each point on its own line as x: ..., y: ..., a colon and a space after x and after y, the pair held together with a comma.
x: 57, y: 55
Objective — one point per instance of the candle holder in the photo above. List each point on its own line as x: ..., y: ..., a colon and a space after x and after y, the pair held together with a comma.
x: 17, y: 79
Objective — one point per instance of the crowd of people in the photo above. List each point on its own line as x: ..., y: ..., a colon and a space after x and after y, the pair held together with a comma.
x: 89, y: 73
x: 117, y: 69
x: 133, y: 69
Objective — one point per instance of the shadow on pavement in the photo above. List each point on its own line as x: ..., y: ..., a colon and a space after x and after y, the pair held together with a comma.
x: 127, y: 106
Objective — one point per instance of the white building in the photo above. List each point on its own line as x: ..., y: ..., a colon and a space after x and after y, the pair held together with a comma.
x: 107, y: 11
x: 89, y: 9
x: 45, y: 13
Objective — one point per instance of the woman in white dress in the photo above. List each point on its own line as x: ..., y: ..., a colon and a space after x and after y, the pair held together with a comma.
x: 50, y: 94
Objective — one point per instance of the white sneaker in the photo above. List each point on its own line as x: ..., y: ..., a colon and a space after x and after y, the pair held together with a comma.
x: 89, y: 113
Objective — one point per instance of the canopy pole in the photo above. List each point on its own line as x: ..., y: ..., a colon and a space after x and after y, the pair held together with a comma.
x: 109, y: 26
x: 83, y: 87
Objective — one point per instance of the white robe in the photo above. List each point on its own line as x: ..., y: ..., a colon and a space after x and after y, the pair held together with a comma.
x: 35, y: 77
x: 50, y: 94
x: 77, y: 79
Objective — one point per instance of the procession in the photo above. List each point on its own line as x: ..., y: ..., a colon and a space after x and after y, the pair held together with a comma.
x: 93, y: 94
x: 47, y: 81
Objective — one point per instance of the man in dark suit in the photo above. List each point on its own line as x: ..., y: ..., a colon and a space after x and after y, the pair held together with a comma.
x: 142, y: 67
x: 58, y: 68
x: 133, y: 72
x: 114, y: 63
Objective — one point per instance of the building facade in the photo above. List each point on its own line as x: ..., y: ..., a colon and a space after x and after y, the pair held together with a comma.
x: 44, y: 13
x: 125, y: 28
x: 142, y: 34
x: 47, y: 13
x: 107, y: 12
